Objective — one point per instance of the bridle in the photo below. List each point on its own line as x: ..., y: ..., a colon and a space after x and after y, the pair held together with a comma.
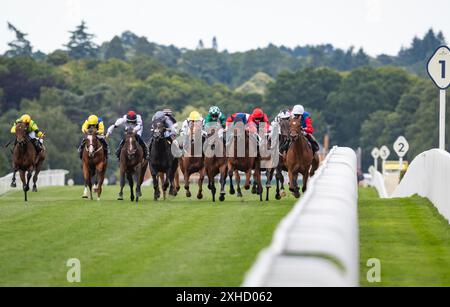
x: 297, y: 131
x: 131, y: 144
x: 89, y: 146
x: 21, y: 129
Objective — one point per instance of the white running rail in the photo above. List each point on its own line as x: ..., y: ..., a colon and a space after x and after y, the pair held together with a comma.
x: 45, y: 179
x: 377, y: 182
x: 429, y: 176
x: 317, y: 244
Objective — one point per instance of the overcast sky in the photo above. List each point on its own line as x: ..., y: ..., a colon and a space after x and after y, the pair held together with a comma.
x: 379, y: 26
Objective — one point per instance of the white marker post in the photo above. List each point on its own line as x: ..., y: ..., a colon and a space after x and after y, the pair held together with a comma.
x: 384, y: 154
x: 375, y: 155
x: 442, y: 120
x: 401, y: 147
x: 438, y: 69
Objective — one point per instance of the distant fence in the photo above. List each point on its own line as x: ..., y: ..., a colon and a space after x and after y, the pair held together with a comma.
x: 317, y: 244
x: 46, y: 178
x: 377, y: 181
x: 429, y: 176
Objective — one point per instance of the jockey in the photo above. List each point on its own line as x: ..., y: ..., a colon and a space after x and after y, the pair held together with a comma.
x: 97, y: 123
x: 238, y: 117
x: 36, y: 136
x: 168, y: 112
x: 215, y: 116
x: 130, y: 121
x: 299, y: 111
x: 194, y: 116
x: 284, y: 115
x: 169, y: 133
x: 256, y: 119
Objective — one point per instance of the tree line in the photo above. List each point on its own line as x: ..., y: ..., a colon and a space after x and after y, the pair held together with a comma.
x: 231, y: 69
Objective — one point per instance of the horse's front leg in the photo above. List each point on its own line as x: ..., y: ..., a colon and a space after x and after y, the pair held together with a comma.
x: 305, y: 181
x: 24, y: 183
x: 269, y: 175
x: 170, y: 178
x: 200, y: 183
x: 100, y: 178
x: 138, y: 182
x: 291, y: 181
x: 296, y: 188
x: 277, y: 179
x: 259, y: 189
x: 237, y: 177
x: 230, y: 175
x: 131, y: 183
x: 155, y: 177
x: 122, y: 183
x: 248, y: 175
x: 186, y: 176
x: 13, y: 180
x: 223, y: 179
x: 35, y: 177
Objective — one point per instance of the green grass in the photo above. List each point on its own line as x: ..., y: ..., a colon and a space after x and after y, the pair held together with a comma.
x: 179, y: 242
x: 409, y: 236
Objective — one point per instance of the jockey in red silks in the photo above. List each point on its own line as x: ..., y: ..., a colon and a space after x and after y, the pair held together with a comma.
x: 258, y: 118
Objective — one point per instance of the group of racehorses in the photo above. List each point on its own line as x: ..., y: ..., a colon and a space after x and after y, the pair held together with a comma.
x: 297, y: 159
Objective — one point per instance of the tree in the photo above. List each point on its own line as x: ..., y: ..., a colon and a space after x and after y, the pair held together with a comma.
x: 144, y: 47
x: 214, y: 44
x: 80, y: 45
x: 200, y: 45
x: 115, y: 49
x: 58, y: 57
x: 20, y: 46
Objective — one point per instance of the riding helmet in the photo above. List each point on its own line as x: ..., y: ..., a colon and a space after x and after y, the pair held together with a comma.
x: 26, y: 119
x: 298, y: 110
x: 258, y: 113
x: 194, y: 116
x: 214, y: 110
x: 93, y: 120
x: 131, y: 116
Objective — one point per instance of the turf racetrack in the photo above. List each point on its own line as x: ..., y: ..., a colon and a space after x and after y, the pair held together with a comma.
x: 179, y: 242
x: 408, y: 236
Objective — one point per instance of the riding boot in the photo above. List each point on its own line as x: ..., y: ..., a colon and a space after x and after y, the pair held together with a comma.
x: 314, y: 145
x: 80, y: 148
x: 37, y: 146
x: 285, y: 145
x: 144, y: 146
x: 105, y: 147
x: 119, y: 149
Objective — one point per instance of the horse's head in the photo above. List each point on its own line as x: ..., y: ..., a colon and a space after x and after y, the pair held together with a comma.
x: 131, y: 143
x: 158, y: 129
x: 92, y: 130
x: 92, y: 144
x: 21, y: 133
x: 295, y: 127
x: 284, y: 127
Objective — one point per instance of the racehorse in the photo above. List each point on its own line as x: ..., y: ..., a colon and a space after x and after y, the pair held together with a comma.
x: 245, y: 164
x: 267, y: 162
x: 283, y: 137
x: 94, y: 163
x: 190, y: 164
x: 215, y: 163
x: 132, y: 163
x: 26, y: 160
x: 299, y: 156
x: 162, y: 161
